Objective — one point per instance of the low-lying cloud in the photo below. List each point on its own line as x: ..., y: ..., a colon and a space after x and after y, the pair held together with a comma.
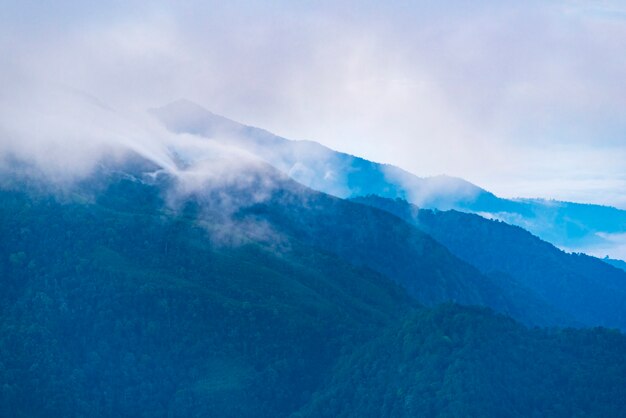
x: 613, y: 246
x: 56, y: 137
x: 512, y: 96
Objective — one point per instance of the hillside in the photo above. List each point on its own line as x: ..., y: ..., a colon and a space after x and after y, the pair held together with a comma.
x: 453, y: 361
x: 122, y: 307
x: 118, y: 304
x: 583, y: 287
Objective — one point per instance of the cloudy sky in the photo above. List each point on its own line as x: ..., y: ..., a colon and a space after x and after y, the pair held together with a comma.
x: 523, y: 98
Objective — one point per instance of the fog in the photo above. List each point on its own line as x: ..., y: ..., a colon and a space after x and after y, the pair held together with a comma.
x: 523, y: 99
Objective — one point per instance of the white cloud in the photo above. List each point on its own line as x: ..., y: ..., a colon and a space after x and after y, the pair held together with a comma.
x: 522, y: 98
x: 613, y: 245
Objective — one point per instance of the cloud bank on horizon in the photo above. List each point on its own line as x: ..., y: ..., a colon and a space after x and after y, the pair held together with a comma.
x: 524, y: 99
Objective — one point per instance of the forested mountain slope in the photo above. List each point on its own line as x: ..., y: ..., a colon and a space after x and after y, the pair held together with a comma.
x: 121, y: 299
x: 584, y: 287
x: 464, y: 362
x: 119, y: 308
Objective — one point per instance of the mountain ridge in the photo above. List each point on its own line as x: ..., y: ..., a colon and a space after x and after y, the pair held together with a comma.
x: 584, y: 287
x: 252, y: 295
x: 577, y: 227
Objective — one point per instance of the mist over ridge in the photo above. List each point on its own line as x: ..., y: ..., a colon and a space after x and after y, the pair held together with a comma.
x: 522, y: 99
x: 339, y: 209
x: 75, y: 132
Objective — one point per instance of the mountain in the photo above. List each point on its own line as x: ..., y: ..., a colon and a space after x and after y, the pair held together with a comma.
x: 620, y: 264
x: 573, y: 226
x: 155, y: 295
x: 263, y: 202
x: 420, y: 264
x: 425, y: 367
x: 315, y: 165
x: 116, y: 305
x: 584, y: 288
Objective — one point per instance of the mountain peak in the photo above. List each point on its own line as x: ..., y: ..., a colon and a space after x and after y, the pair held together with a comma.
x: 186, y: 116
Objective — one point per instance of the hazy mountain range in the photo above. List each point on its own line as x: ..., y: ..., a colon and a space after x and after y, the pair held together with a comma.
x: 304, y: 259
x: 572, y: 226
x: 267, y: 277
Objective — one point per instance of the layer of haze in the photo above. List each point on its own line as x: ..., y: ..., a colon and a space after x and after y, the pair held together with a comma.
x: 523, y: 98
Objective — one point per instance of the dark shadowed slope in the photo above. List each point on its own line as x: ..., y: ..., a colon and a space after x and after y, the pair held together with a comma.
x: 388, y: 245
x: 119, y: 307
x: 460, y: 362
x: 120, y: 299
x: 586, y: 288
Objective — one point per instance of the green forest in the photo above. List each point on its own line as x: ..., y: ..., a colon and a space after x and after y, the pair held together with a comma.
x: 116, y: 305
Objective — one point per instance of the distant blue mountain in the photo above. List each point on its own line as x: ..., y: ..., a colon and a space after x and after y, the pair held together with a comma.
x: 620, y: 264
x: 583, y: 287
x: 573, y: 226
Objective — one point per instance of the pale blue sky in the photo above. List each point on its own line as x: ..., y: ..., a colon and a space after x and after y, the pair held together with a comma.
x: 523, y: 98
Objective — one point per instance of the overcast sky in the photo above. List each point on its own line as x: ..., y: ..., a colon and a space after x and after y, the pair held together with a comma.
x: 524, y: 98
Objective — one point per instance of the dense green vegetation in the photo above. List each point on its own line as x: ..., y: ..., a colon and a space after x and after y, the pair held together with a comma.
x: 117, y: 304
x: 136, y: 313
x: 374, y: 239
x: 460, y: 362
x: 581, y: 287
